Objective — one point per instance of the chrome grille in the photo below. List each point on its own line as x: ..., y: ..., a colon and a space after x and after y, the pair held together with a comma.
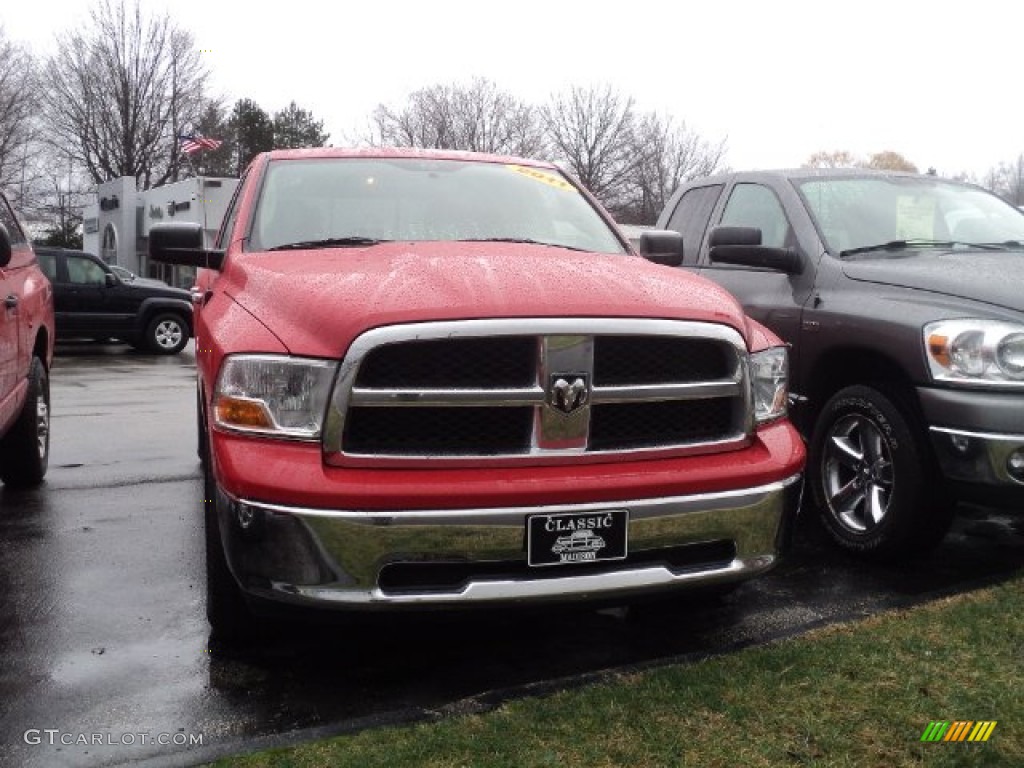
x: 541, y: 390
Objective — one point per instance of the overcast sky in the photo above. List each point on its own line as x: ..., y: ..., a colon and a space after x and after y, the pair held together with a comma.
x: 938, y: 82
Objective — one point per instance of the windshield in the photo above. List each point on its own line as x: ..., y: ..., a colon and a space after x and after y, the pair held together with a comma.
x: 861, y: 212
x: 338, y: 202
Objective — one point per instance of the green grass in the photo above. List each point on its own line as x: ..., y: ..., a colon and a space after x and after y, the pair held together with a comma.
x: 859, y: 694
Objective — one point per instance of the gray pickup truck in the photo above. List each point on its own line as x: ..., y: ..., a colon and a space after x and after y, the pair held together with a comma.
x: 903, y: 299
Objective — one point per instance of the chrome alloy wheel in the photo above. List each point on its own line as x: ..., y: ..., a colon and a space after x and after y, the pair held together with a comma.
x: 42, y: 426
x: 857, y: 473
x: 167, y: 334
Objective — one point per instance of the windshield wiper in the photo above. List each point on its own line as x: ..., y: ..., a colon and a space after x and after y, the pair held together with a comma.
x: 328, y: 242
x: 526, y: 240
x: 899, y: 245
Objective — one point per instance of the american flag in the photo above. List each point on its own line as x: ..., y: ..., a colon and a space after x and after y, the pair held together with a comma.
x: 190, y: 144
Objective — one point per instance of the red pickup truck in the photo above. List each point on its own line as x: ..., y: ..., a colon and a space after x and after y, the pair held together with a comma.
x: 418, y: 372
x: 26, y: 352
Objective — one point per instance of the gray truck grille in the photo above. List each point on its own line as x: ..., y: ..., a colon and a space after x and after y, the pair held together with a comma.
x: 538, y: 391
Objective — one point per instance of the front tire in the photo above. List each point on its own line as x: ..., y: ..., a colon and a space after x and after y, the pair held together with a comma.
x: 230, y: 619
x: 871, y: 474
x: 25, y: 450
x: 203, y: 440
x: 167, y: 334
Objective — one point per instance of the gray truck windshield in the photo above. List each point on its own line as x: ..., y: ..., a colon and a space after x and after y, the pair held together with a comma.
x: 860, y: 213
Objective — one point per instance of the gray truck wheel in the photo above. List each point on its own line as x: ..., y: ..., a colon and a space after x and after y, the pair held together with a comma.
x: 869, y: 470
x: 25, y: 449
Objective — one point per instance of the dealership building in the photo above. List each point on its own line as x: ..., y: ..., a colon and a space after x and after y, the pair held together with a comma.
x: 116, y: 226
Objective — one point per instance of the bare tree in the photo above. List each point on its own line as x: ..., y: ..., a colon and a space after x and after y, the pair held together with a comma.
x: 61, y: 195
x: 121, y: 90
x: 426, y: 121
x: 1007, y: 180
x: 591, y: 131
x: 489, y: 120
x: 477, y: 117
x: 631, y: 164
x: 52, y: 196
x: 1015, y: 181
x: 17, y: 110
x: 839, y: 158
x: 965, y: 176
x: 667, y: 154
x: 887, y: 160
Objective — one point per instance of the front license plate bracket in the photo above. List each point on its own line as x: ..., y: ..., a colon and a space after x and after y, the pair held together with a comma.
x: 577, y: 537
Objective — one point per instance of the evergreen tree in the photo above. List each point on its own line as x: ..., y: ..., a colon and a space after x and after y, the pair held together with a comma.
x: 294, y: 127
x: 213, y: 123
x: 252, y: 131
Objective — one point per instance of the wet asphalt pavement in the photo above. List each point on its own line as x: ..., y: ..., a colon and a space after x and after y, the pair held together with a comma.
x: 103, y: 636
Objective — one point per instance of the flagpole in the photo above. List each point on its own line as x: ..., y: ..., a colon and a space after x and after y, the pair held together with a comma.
x: 202, y: 199
x: 199, y: 198
x: 199, y: 143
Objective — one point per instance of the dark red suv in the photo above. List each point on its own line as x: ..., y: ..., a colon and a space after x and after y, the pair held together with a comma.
x: 26, y: 352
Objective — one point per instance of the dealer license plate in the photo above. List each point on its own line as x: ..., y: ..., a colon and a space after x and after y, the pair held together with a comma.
x: 585, y: 537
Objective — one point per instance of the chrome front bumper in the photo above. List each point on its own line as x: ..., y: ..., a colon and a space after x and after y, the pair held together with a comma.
x: 977, y: 457
x: 348, y: 558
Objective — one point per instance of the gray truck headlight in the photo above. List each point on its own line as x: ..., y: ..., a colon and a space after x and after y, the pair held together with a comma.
x: 978, y: 352
x: 273, y: 395
x: 769, y: 379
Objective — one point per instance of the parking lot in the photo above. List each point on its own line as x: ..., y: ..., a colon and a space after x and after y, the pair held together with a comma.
x: 102, y: 626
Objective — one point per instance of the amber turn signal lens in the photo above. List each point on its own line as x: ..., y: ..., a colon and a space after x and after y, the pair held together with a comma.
x: 242, y: 413
x: 939, y: 349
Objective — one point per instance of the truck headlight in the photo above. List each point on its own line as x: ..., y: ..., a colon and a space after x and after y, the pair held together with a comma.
x: 980, y: 352
x: 273, y: 395
x: 769, y: 379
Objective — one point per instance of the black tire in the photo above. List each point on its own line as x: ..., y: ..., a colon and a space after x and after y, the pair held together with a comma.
x: 166, y: 334
x: 202, y: 441
x: 230, y: 619
x: 25, y: 449
x: 873, y: 476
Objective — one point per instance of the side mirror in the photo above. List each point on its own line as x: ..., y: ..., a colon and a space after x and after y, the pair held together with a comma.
x: 111, y: 279
x: 5, y: 247
x: 182, y: 243
x: 662, y: 246
x: 742, y: 246
x: 734, y: 236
